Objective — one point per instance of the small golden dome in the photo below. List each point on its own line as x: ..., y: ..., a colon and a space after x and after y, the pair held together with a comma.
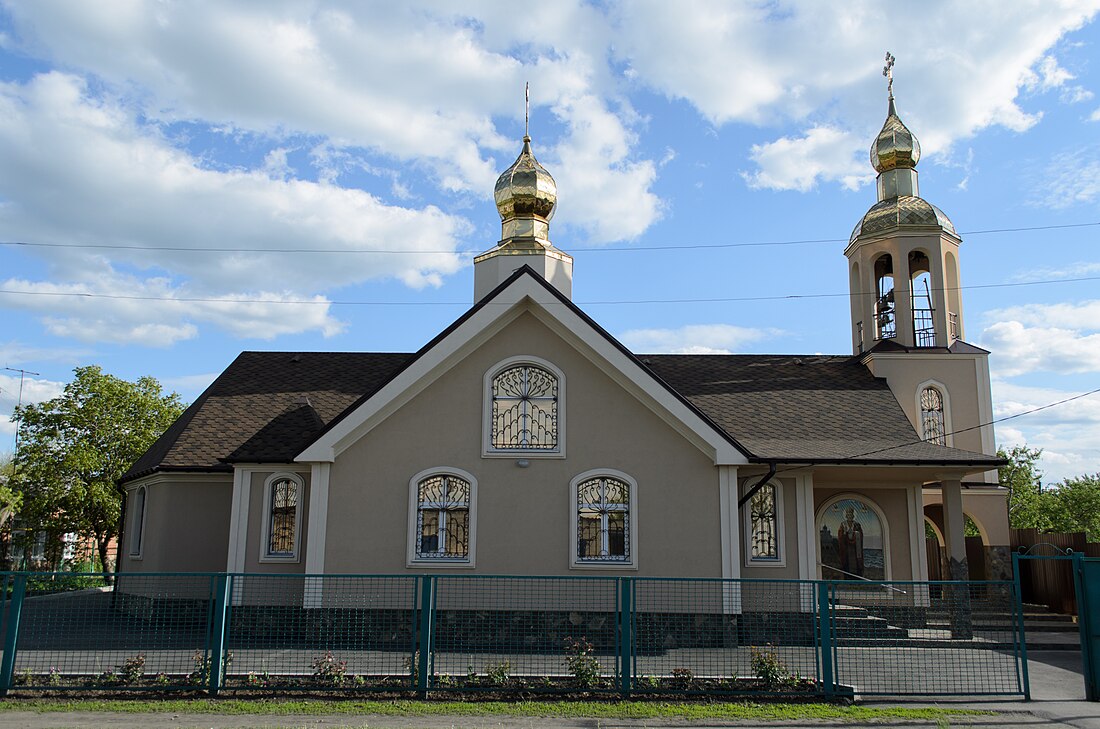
x: 526, y: 189
x: 896, y: 146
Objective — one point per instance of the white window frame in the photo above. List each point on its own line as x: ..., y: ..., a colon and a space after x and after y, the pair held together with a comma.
x: 487, y: 449
x: 632, y: 522
x: 137, y: 522
x: 948, y: 440
x: 411, y: 558
x: 780, y: 528
x: 265, y: 515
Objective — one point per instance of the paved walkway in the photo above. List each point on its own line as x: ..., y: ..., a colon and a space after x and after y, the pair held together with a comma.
x: 1057, y: 689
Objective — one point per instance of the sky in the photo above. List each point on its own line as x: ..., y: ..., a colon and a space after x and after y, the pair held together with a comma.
x: 183, y: 181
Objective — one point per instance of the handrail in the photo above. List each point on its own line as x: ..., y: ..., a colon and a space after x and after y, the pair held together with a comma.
x: 860, y: 577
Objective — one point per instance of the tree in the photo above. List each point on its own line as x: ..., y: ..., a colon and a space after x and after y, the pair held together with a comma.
x: 9, y: 499
x: 74, y: 449
x: 1074, y: 506
x: 1022, y: 477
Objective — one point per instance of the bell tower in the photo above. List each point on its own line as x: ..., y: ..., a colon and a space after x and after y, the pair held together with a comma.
x: 903, y: 256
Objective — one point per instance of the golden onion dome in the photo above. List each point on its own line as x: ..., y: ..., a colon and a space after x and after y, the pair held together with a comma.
x: 526, y: 189
x: 895, y: 146
x: 903, y: 211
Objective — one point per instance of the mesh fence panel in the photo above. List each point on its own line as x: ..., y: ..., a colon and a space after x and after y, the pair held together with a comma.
x: 535, y: 633
x: 151, y: 630
x: 938, y: 638
x: 332, y: 632
x: 727, y: 636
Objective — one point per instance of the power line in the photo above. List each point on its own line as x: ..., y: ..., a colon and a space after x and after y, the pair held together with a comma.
x: 339, y: 302
x: 413, y: 251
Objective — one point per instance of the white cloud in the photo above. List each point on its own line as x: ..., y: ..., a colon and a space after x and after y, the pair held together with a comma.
x: 960, y: 69
x: 1060, y: 338
x: 693, y: 339
x: 823, y: 153
x: 34, y: 390
x: 1069, y: 434
x: 1095, y: 116
x: 1072, y: 270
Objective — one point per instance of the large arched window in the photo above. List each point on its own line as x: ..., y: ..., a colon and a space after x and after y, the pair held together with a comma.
x: 764, y: 526
x: 442, y: 517
x: 933, y: 415
x: 603, y: 506
x: 853, y: 539
x: 283, y: 494
x: 524, y: 404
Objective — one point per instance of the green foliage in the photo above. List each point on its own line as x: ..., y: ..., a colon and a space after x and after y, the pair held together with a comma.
x: 9, y: 498
x: 584, y: 667
x: 1070, y: 506
x: 74, y: 448
x: 682, y: 678
x: 499, y: 673
x: 769, y: 668
x: 132, y: 669
x: 1022, y: 478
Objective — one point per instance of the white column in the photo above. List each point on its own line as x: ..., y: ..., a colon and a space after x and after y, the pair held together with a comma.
x: 918, y: 551
x: 316, y: 533
x: 238, y: 528
x: 731, y: 537
x: 954, y: 531
x: 806, y: 538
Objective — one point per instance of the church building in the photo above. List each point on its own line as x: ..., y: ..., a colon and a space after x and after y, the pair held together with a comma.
x: 524, y: 439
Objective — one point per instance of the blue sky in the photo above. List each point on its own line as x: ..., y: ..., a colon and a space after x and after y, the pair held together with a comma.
x: 367, y: 137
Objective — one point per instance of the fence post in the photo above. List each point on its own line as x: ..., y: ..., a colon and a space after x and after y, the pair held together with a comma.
x: 424, y: 662
x: 1017, y: 587
x: 15, y: 609
x: 626, y: 627
x: 825, y: 639
x: 1084, y: 625
x: 220, y: 585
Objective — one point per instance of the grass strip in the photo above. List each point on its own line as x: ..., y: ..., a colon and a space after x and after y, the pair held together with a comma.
x: 563, y: 709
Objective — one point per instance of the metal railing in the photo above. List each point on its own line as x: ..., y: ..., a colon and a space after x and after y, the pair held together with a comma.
x: 438, y: 633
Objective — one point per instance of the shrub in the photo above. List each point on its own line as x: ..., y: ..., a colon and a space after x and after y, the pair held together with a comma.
x: 682, y: 677
x: 327, y: 669
x: 132, y: 669
x: 769, y: 668
x: 584, y: 667
x: 499, y: 673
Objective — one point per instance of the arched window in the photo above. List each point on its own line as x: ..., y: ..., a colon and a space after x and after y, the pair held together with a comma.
x: 524, y: 404
x: 764, y: 528
x: 853, y: 539
x: 603, y: 523
x: 920, y: 299
x: 442, y: 523
x: 932, y: 420
x: 138, y: 522
x: 282, y: 517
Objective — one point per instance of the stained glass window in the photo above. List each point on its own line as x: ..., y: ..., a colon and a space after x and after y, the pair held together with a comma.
x: 525, y: 409
x: 443, y: 518
x: 764, y: 524
x: 138, y: 521
x: 603, y: 520
x: 931, y: 416
x: 283, y: 516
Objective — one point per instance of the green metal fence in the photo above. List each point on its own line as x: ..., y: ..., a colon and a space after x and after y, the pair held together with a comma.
x: 422, y: 633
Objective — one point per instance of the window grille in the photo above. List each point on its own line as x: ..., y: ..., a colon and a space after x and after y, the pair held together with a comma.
x: 603, y: 520
x: 763, y: 524
x: 525, y: 409
x: 283, y: 516
x: 931, y: 416
x: 443, y: 518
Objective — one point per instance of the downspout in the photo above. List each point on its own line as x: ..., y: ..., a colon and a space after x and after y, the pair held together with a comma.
x: 752, y: 492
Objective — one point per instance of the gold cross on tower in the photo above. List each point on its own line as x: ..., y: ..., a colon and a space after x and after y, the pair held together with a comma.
x: 888, y: 72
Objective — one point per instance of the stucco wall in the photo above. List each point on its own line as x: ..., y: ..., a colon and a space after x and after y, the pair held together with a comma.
x: 523, y: 514
x: 186, y: 527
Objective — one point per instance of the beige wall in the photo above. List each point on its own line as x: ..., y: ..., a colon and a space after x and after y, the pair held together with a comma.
x: 256, y: 514
x: 989, y: 511
x: 186, y: 526
x: 523, y: 514
x: 894, y: 504
x: 788, y: 538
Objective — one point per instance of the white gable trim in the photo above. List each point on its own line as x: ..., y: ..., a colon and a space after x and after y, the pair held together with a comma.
x: 524, y: 294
